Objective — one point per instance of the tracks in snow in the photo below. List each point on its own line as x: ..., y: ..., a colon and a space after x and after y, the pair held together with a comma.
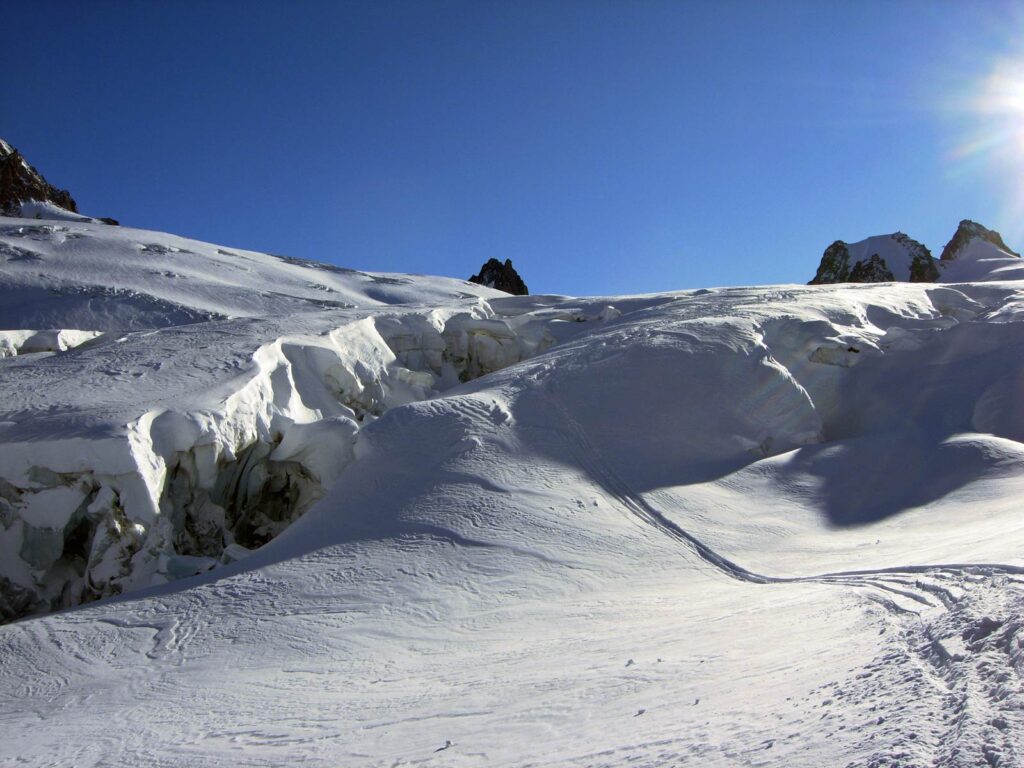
x: 954, y: 648
x: 606, y: 477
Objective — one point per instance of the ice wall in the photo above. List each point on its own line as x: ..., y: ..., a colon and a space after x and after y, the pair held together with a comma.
x: 176, y: 492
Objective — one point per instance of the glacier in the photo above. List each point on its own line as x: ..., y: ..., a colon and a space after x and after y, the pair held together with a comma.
x: 256, y: 510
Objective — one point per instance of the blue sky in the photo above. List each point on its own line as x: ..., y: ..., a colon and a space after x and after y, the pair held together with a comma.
x: 605, y: 147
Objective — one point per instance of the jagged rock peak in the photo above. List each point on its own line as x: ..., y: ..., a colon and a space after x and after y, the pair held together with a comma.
x: 20, y: 183
x: 834, y: 266
x: 877, y: 259
x: 502, y: 277
x: 966, y: 232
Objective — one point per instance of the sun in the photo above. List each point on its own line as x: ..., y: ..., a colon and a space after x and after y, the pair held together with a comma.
x: 996, y: 106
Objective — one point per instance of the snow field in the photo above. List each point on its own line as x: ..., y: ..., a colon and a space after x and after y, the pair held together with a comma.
x: 749, y: 526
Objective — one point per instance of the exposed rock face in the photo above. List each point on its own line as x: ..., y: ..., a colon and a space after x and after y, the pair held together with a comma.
x: 895, y: 257
x: 835, y: 265
x: 873, y: 270
x: 20, y: 182
x: 966, y: 232
x: 503, y: 277
x: 922, y: 265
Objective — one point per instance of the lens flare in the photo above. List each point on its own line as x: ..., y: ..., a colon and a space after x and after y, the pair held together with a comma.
x: 989, y: 114
x: 998, y: 107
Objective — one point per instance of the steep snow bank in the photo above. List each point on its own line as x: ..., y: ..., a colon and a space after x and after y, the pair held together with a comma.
x: 197, y: 478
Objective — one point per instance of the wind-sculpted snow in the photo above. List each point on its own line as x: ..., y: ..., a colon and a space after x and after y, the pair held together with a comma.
x: 750, y: 526
x: 161, y: 454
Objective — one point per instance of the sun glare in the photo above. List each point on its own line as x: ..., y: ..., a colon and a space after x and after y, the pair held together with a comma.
x: 991, y: 135
x: 1003, y: 91
x: 997, y: 104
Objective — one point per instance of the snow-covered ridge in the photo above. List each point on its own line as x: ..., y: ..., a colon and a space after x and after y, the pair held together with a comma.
x: 974, y: 254
x: 146, y: 455
x: 64, y: 274
x: 891, y: 257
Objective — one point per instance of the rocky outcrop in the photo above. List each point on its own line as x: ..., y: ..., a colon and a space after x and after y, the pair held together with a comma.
x: 884, y: 258
x: 502, y: 277
x: 834, y: 266
x: 922, y: 264
x: 873, y: 270
x: 20, y: 182
x: 966, y: 232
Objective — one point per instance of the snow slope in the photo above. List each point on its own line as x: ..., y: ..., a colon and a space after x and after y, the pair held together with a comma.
x: 980, y: 260
x: 896, y: 250
x: 752, y: 526
x: 66, y: 274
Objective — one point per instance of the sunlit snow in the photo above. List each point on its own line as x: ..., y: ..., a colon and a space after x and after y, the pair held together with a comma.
x: 743, y: 526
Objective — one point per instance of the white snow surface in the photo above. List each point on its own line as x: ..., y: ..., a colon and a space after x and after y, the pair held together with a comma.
x: 748, y: 526
x: 981, y: 261
x: 978, y: 261
x: 67, y: 274
x: 896, y: 255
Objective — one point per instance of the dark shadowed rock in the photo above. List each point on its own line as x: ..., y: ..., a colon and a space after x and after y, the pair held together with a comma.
x: 966, y: 232
x: 834, y: 266
x: 503, y: 277
x: 922, y: 263
x: 873, y: 270
x: 20, y: 182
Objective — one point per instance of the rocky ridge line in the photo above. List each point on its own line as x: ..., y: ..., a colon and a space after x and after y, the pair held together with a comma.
x: 837, y: 265
x: 21, y: 183
x: 967, y: 231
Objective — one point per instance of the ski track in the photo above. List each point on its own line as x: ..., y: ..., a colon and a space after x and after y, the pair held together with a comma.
x: 946, y: 602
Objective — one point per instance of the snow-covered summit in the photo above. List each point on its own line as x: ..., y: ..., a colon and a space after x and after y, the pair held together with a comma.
x: 974, y: 241
x: 976, y: 254
x: 899, y: 258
